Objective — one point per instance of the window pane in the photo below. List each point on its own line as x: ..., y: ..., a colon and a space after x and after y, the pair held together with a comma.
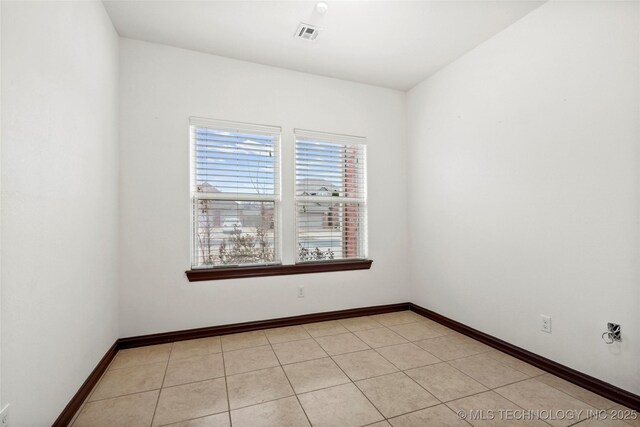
x: 234, y: 232
x: 234, y: 162
x: 331, y: 196
x: 327, y: 169
x: 328, y: 230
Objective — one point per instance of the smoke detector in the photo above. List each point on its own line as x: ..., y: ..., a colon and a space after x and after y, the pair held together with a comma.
x: 306, y: 32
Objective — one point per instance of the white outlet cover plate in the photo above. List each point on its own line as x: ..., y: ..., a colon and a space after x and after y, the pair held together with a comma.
x: 546, y: 323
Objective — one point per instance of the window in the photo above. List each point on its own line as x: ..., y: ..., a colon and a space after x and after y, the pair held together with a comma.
x: 235, y: 193
x: 331, y: 199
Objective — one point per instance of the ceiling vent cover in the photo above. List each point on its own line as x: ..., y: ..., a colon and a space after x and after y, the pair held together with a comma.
x: 306, y: 32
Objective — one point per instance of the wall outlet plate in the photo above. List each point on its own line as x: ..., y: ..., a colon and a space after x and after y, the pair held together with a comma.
x: 4, y: 416
x: 300, y: 291
x: 545, y: 326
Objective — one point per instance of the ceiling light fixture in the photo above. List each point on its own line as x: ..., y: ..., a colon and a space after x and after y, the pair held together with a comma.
x: 322, y: 7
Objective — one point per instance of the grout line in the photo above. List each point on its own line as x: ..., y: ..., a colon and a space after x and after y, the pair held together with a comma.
x: 160, y: 392
x: 414, y: 381
x: 126, y: 350
x: 290, y: 385
x: 399, y: 368
x: 189, y: 383
x: 480, y: 382
x: 226, y: 385
x: 353, y: 382
x: 365, y: 329
x: 422, y: 409
x: 125, y: 394
x: 509, y: 400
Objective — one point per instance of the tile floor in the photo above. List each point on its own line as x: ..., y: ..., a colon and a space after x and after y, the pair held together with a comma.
x: 396, y: 369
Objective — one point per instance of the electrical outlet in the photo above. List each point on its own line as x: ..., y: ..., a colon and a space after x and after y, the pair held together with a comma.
x: 546, y: 323
x: 4, y: 416
x: 300, y: 291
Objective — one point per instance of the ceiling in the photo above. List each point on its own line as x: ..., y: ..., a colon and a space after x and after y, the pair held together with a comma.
x: 394, y: 44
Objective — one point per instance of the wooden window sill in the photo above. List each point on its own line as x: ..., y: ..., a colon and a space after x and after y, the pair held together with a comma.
x: 276, y: 270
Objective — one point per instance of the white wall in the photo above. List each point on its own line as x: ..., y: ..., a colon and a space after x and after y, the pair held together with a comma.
x: 59, y: 202
x: 1, y: 401
x: 524, y: 167
x: 161, y: 87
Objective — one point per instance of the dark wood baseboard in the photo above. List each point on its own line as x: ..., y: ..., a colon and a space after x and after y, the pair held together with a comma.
x: 235, y: 328
x: 588, y: 382
x: 65, y: 417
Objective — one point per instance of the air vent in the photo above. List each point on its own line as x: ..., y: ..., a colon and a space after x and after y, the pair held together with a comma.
x: 306, y: 32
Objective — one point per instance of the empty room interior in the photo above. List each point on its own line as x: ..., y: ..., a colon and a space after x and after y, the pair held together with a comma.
x: 319, y: 213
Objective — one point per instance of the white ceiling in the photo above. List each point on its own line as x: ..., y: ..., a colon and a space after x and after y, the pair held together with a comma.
x: 394, y: 44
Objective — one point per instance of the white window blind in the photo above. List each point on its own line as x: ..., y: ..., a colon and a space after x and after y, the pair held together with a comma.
x: 235, y: 188
x: 331, y: 196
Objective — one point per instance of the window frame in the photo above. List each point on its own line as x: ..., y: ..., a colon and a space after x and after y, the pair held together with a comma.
x: 333, y: 138
x: 276, y: 198
x: 276, y: 268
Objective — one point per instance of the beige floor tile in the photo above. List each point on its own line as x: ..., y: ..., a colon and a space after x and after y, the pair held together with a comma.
x: 278, y: 413
x: 445, y: 382
x: 364, y: 364
x: 380, y: 337
x: 343, y: 406
x: 134, y: 410
x: 602, y: 422
x: 629, y: 416
x: 193, y: 365
x: 415, y: 331
x: 141, y: 356
x: 199, y: 368
x: 298, y: 351
x: 579, y: 393
x: 342, y: 343
x: 439, y: 416
x: 407, y: 356
x: 355, y: 324
x: 488, y: 371
x: 438, y: 327
x: 635, y: 422
x: 217, y: 420
x: 397, y: 318
x: 119, y: 382
x: 314, y: 375
x: 491, y: 409
x: 249, y: 359
x: 184, y: 402
x: 258, y: 387
x: 534, y: 395
x: 379, y: 424
x: 286, y: 334
x: 452, y: 347
x: 396, y: 394
x: 516, y: 364
x: 321, y: 329
x: 244, y: 340
x: 198, y: 347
